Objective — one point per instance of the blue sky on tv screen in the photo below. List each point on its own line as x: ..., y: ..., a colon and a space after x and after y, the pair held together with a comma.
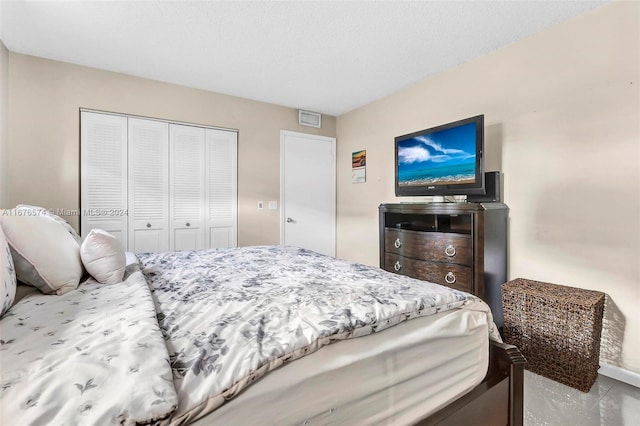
x: 445, y: 155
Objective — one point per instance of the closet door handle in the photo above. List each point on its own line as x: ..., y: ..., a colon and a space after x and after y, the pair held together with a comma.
x: 148, y: 225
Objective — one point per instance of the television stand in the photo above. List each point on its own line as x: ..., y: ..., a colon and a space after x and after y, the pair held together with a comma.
x: 459, y: 245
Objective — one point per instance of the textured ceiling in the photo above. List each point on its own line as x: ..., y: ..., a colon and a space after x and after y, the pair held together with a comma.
x: 324, y: 56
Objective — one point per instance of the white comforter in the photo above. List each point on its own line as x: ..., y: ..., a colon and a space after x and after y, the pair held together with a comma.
x: 224, y: 319
x: 94, y: 356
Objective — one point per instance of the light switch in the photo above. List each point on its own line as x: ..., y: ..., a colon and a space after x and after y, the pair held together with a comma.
x: 260, y: 205
x: 273, y: 205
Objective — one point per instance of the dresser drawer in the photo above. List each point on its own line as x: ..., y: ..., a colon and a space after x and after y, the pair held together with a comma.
x: 433, y: 246
x: 447, y: 274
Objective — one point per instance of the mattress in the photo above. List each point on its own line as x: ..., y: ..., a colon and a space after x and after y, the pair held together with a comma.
x: 396, y: 376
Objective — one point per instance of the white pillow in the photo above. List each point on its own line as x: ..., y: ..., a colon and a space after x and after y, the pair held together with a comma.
x: 44, y: 253
x: 35, y: 210
x: 103, y: 257
x: 7, y: 276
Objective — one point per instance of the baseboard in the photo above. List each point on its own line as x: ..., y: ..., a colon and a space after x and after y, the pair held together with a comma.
x: 626, y: 376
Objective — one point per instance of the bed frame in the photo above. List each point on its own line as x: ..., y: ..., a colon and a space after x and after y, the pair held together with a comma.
x: 498, y: 400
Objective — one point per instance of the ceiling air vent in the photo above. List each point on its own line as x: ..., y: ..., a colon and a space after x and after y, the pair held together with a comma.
x: 308, y: 118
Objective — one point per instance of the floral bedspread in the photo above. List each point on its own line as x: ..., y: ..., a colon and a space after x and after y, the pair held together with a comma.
x: 93, y: 356
x: 231, y: 315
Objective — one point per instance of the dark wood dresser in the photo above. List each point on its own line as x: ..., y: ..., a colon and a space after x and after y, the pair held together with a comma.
x: 459, y: 245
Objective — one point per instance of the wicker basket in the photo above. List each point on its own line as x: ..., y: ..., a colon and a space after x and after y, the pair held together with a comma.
x: 557, y: 329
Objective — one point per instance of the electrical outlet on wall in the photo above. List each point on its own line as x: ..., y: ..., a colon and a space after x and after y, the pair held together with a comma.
x: 260, y: 205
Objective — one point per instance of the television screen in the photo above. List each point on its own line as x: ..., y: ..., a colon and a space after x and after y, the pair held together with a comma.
x: 446, y: 159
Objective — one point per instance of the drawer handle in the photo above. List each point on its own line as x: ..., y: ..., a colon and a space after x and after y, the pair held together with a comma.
x: 397, y: 266
x: 188, y: 224
x: 450, y: 278
x: 148, y: 225
x: 397, y: 243
x: 450, y: 250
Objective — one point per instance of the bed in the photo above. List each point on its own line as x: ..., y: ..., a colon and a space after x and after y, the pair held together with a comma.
x: 255, y: 335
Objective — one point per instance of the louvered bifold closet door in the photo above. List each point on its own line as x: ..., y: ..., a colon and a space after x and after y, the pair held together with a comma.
x: 103, y: 174
x: 221, y: 188
x: 186, y: 187
x: 148, y: 185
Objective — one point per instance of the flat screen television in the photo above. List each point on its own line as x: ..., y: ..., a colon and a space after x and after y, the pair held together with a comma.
x: 443, y: 160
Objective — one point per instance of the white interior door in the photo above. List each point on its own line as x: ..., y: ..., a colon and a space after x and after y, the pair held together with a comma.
x: 103, y: 174
x: 148, y: 183
x: 308, y: 191
x: 221, y: 170
x: 186, y: 187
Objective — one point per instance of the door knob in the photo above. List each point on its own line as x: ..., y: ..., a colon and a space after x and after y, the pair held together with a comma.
x: 148, y: 225
x: 289, y: 220
x: 188, y: 224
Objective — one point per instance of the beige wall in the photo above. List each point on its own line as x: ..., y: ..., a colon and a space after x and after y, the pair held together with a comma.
x: 4, y: 120
x: 562, y: 122
x: 44, y: 132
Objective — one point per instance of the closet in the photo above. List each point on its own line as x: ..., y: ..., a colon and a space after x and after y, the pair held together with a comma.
x: 158, y: 185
